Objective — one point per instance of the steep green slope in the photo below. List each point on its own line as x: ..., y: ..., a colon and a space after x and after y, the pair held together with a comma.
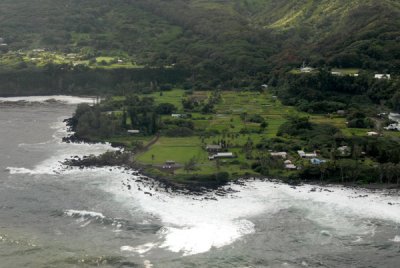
x: 357, y: 33
x: 219, y: 39
x: 75, y: 25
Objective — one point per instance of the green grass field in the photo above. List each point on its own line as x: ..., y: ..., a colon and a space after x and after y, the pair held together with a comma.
x: 346, y: 71
x: 228, y: 122
x: 176, y: 149
x: 42, y: 58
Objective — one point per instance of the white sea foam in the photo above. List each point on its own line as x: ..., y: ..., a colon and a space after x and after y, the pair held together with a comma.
x: 16, y: 170
x: 396, y: 239
x: 147, y: 264
x: 53, y: 165
x: 142, y: 249
x: 60, y: 98
x: 195, y: 226
x: 84, y: 214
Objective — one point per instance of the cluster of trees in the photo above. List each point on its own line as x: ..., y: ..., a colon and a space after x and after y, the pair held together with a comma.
x: 353, y: 171
x: 199, y: 104
x: 359, y: 120
x: 323, y: 92
x: 90, y: 123
x: 114, y: 117
x: 78, y: 80
x: 142, y: 113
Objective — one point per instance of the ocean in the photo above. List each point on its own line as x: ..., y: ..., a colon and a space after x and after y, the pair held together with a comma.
x: 52, y: 215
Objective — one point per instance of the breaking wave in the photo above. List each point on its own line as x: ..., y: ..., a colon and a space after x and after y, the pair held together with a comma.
x: 193, y: 224
x: 54, y: 164
x: 58, y: 98
x: 396, y: 239
x: 84, y: 214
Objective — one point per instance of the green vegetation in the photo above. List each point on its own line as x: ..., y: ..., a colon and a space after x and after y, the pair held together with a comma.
x: 228, y: 70
x: 220, y: 44
x: 251, y: 125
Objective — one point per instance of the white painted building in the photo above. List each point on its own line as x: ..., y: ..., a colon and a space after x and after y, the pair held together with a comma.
x: 382, y: 76
x: 290, y: 167
x: 372, y: 133
x: 303, y: 154
x: 279, y: 154
x: 221, y: 155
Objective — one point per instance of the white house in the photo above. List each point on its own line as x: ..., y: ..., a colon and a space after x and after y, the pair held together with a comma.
x: 344, y: 150
x: 221, y: 155
x: 303, y: 154
x: 341, y: 112
x: 372, y: 133
x: 306, y: 69
x: 169, y: 164
x: 279, y: 154
x: 382, y: 76
x: 290, y: 166
x: 178, y: 115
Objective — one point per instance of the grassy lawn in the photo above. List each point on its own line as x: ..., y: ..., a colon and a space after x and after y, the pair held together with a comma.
x: 346, y: 71
x: 42, y: 58
x: 181, y: 150
x: 173, y: 96
x: 176, y: 149
x: 229, y: 121
x: 128, y: 141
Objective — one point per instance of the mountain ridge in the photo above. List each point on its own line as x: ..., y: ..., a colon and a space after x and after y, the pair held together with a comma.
x: 238, y: 38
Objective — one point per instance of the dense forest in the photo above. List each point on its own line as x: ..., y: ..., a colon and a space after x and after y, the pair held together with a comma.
x: 226, y: 44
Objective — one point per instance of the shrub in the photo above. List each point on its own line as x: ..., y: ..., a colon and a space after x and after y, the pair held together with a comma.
x: 179, y: 132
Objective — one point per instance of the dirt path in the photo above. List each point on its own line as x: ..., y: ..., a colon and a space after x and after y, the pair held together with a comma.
x: 151, y: 143
x: 146, y: 147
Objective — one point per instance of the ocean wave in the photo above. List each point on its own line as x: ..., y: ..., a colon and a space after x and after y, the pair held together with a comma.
x: 59, y: 98
x: 17, y: 170
x: 142, y: 249
x: 396, y: 239
x: 62, y: 151
x: 84, y: 214
x: 193, y: 225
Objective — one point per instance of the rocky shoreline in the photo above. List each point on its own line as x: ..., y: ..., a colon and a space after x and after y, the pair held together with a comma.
x: 125, y: 160
x: 198, y: 188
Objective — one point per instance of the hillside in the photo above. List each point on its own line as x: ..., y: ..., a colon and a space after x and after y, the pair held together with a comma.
x: 234, y: 39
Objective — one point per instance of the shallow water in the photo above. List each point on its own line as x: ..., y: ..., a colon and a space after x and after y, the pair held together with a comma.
x: 51, y: 216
